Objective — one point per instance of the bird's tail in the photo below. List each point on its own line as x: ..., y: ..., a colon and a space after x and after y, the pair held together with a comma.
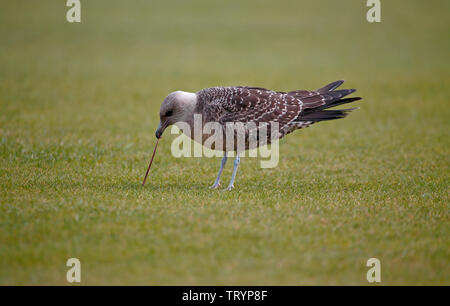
x: 332, y: 98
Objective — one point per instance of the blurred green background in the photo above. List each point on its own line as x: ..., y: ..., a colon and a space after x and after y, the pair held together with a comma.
x: 78, y: 109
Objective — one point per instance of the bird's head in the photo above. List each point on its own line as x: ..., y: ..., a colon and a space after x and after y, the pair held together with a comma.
x: 178, y: 106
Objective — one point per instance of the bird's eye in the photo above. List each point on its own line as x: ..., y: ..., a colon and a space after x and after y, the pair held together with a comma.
x: 169, y: 113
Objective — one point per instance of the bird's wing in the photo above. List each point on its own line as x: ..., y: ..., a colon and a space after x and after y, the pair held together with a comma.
x: 261, y: 105
x: 253, y: 104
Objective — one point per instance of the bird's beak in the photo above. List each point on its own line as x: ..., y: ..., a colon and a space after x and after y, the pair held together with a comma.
x: 159, y: 131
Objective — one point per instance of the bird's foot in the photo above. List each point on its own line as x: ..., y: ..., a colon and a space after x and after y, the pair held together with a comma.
x: 230, y: 187
x: 215, y: 186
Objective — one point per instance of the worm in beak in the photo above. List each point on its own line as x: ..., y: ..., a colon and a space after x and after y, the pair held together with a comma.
x: 151, y: 161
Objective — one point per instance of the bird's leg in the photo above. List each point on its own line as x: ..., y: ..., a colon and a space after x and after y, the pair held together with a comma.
x: 222, y: 164
x: 233, y: 175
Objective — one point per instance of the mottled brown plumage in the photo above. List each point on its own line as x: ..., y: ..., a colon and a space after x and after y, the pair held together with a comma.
x: 291, y: 110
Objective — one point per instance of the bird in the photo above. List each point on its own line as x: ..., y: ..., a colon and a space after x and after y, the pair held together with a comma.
x: 291, y: 111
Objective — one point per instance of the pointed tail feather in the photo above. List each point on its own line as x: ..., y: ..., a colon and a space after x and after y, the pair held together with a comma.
x: 332, y: 98
x: 330, y: 87
x: 333, y: 104
x: 326, y: 115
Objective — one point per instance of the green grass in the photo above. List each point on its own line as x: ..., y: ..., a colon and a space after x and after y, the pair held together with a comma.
x: 79, y: 107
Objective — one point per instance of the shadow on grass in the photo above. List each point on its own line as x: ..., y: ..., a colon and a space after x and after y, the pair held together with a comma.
x: 137, y: 186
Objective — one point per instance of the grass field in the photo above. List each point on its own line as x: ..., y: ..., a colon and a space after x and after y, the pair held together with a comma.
x: 78, y: 110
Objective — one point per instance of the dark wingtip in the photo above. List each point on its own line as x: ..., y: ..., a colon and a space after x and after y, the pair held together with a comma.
x: 331, y: 86
x: 352, y: 99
